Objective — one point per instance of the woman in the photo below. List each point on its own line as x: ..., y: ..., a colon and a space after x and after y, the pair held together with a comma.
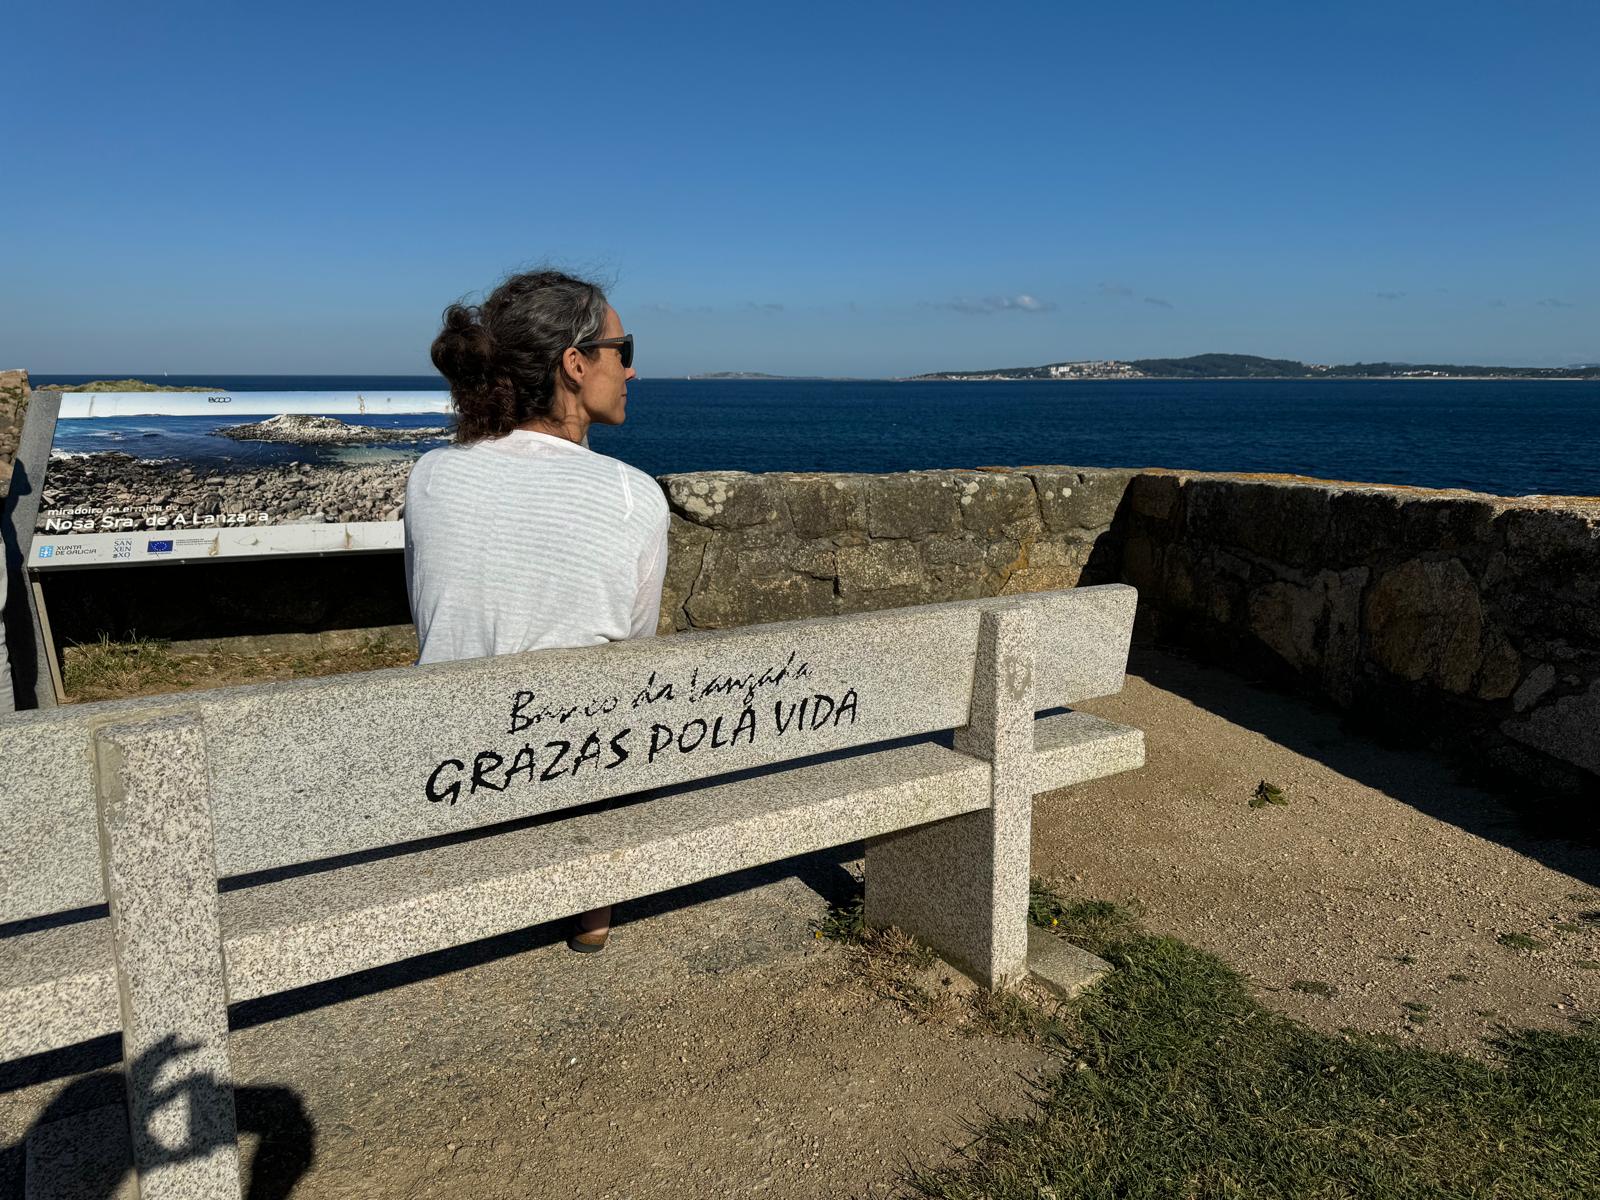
x: 519, y: 536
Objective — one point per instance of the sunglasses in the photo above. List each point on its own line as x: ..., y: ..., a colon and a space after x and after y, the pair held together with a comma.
x: 623, y: 344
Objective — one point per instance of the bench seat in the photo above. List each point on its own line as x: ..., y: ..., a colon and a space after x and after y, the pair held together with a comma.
x: 60, y: 985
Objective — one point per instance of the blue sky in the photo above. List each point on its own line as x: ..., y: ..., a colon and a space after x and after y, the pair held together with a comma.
x: 804, y: 189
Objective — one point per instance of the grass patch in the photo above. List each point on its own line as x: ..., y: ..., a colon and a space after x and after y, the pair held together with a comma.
x: 1087, y: 924
x: 1567, y: 926
x: 1458, y: 977
x: 1185, y: 1086
x: 1520, y: 941
x: 1587, y: 964
x: 844, y: 922
x: 1015, y: 1015
x: 107, y: 670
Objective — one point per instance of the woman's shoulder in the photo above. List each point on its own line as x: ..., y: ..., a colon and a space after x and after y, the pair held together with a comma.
x: 429, y: 463
x: 642, y: 493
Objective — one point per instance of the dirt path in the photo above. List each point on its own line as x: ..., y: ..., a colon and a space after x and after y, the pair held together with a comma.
x: 718, y: 1049
x: 713, y: 1050
x: 1384, y: 878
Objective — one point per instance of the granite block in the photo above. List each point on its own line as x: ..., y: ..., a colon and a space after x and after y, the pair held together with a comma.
x: 1076, y: 747
x: 1062, y: 967
x: 57, y: 986
x: 166, y: 938
x: 961, y: 886
x: 316, y: 768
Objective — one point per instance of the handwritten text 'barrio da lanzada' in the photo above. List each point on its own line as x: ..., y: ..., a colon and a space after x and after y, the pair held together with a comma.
x: 559, y: 740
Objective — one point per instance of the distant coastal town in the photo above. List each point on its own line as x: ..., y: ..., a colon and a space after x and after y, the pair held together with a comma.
x: 1250, y: 366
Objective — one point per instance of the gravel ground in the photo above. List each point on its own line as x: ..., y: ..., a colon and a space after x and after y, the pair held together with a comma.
x: 1384, y: 877
x: 718, y: 1049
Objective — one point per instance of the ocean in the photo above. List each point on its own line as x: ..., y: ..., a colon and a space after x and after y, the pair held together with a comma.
x: 1509, y: 437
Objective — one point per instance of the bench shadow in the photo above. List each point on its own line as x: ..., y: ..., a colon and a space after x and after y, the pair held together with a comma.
x: 1384, y: 758
x: 94, y: 1151
x: 823, y: 871
x: 277, y: 1114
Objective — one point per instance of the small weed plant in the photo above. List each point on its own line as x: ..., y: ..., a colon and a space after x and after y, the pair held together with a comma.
x: 1268, y: 793
x: 1520, y: 941
x: 1312, y: 987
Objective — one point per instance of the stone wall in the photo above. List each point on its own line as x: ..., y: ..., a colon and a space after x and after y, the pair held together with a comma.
x: 751, y: 548
x: 1466, y: 620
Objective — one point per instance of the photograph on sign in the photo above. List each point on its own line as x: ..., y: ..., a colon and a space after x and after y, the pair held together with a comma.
x: 145, y: 476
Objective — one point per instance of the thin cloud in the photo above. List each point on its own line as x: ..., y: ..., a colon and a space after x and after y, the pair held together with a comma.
x: 768, y: 307
x: 1389, y: 295
x: 1021, y: 302
x: 1115, y: 289
x: 1158, y: 301
x: 670, y: 310
x: 1552, y: 302
x: 1497, y: 304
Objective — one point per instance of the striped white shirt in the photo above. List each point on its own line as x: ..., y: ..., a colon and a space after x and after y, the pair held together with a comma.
x: 530, y: 541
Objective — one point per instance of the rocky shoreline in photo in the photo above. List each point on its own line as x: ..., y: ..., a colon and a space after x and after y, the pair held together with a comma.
x: 289, y: 493
x: 308, y: 429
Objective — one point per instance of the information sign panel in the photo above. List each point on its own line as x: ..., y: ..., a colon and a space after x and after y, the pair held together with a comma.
x: 141, y: 477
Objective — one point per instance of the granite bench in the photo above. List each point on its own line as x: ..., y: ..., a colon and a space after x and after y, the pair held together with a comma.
x: 359, y: 820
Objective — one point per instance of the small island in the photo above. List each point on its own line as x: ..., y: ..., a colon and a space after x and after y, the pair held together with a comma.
x: 1253, y: 366
x: 305, y: 429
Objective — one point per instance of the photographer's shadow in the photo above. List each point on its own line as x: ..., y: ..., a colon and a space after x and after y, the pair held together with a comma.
x: 80, y: 1147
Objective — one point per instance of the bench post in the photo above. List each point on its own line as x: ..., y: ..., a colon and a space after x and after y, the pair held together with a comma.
x: 158, y: 857
x: 961, y: 885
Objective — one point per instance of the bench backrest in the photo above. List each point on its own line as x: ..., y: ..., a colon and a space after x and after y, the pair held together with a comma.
x: 318, y: 768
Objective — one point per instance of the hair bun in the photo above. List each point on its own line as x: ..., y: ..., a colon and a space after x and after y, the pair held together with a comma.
x: 464, y: 351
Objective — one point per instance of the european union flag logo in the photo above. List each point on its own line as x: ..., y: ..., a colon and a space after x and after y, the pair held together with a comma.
x: 155, y: 547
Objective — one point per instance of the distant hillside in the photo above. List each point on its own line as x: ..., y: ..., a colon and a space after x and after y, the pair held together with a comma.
x: 1253, y: 366
x: 737, y: 375
x: 1386, y: 370
x: 131, y: 385
x: 1224, y: 366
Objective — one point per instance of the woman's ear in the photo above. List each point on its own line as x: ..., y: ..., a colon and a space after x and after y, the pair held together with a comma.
x: 573, y: 365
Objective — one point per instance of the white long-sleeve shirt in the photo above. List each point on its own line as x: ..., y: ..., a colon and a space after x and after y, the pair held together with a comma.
x: 531, y: 541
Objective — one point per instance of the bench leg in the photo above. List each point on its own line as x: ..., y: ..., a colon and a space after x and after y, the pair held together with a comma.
x: 159, y: 861
x: 961, y: 885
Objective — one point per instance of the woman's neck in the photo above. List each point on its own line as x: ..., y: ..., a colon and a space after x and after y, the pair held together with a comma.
x: 569, y: 421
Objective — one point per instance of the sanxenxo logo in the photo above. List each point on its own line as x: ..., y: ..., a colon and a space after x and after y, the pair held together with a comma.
x: 47, y: 551
x: 158, y: 547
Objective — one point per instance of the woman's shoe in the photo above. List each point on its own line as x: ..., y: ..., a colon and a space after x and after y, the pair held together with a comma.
x: 585, y: 942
